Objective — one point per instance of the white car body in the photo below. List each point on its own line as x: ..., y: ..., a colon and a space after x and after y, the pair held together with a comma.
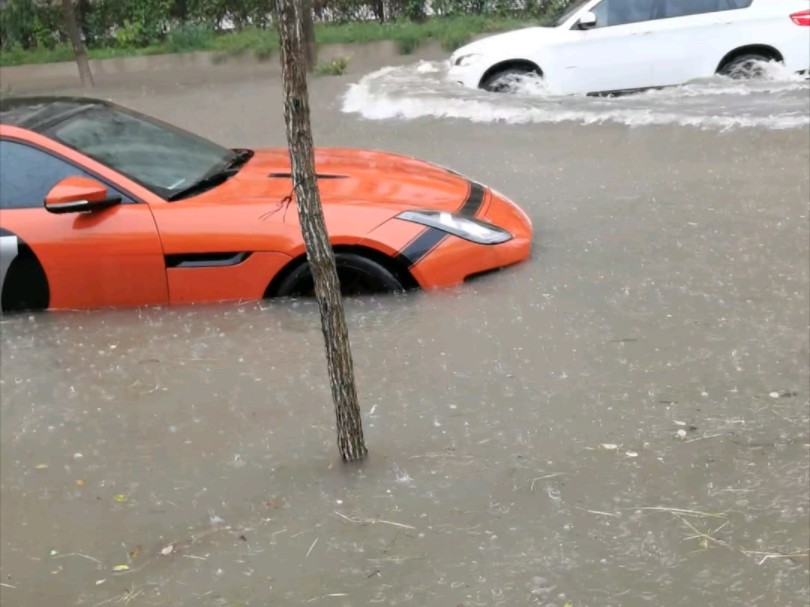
x: 661, y: 47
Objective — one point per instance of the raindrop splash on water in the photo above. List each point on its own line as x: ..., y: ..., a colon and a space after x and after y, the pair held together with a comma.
x: 777, y: 100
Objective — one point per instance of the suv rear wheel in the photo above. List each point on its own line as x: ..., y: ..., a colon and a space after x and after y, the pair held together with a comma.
x: 743, y: 67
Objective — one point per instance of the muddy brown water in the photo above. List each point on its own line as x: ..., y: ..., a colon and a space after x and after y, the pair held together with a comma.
x: 621, y: 421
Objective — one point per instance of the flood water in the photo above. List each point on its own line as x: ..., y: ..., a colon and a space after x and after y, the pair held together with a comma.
x: 620, y: 421
x: 780, y: 100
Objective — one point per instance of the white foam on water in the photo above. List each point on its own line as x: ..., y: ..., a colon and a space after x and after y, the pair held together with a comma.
x: 778, y: 100
x: 427, y: 67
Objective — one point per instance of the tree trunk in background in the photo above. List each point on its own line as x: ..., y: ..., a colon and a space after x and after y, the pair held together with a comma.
x: 319, y: 250
x: 83, y: 9
x: 181, y: 9
x: 378, y: 6
x: 78, y: 46
x: 308, y: 28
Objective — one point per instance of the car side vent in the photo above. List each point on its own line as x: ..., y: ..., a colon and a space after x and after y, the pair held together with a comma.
x: 317, y: 176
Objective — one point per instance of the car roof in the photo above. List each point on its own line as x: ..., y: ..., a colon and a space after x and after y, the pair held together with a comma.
x: 40, y: 113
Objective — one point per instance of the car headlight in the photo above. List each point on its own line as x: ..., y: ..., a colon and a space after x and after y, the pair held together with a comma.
x: 467, y: 228
x: 465, y: 60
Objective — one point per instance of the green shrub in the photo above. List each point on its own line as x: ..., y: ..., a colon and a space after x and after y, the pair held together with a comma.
x: 407, y: 41
x: 336, y: 67
x: 262, y: 42
x: 32, y: 31
x: 266, y: 48
x: 18, y: 24
x: 189, y: 37
x: 31, y: 24
x: 453, y: 39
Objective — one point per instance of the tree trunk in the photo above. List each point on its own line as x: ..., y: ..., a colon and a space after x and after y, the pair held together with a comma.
x: 319, y: 250
x: 308, y: 28
x: 378, y: 6
x: 83, y: 9
x: 78, y: 46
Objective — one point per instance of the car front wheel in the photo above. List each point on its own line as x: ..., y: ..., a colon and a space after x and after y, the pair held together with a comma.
x: 507, y: 80
x: 358, y: 275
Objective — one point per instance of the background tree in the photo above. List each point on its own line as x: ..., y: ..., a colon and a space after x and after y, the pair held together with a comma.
x: 308, y: 29
x: 320, y: 255
x: 74, y: 33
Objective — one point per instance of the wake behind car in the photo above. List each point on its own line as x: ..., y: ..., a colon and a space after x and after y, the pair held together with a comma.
x: 613, y: 46
x: 101, y: 206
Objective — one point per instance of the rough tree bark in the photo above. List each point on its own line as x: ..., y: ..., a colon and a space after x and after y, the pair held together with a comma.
x: 78, y: 46
x: 320, y: 255
x: 308, y: 29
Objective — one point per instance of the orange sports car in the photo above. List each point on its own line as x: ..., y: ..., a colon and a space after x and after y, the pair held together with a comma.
x: 101, y: 206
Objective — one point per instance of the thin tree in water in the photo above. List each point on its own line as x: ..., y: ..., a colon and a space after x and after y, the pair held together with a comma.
x: 319, y: 250
x: 74, y: 33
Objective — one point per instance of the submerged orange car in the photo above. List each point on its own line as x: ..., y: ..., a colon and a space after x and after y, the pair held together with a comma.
x: 101, y: 206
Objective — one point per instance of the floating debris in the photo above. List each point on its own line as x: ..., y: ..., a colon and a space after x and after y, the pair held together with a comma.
x: 786, y: 394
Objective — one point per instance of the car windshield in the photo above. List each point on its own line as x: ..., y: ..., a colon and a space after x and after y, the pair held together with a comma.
x: 160, y: 157
x: 569, y: 12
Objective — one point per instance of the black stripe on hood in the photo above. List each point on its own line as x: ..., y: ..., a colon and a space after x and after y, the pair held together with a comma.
x: 430, y: 237
x: 475, y: 198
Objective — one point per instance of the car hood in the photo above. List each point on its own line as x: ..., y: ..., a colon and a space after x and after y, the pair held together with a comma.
x: 350, y: 177
x: 513, y: 41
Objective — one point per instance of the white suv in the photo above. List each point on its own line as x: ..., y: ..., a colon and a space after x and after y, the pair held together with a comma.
x: 612, y: 46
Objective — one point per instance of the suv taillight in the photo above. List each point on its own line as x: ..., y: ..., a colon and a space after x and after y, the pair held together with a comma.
x: 801, y: 18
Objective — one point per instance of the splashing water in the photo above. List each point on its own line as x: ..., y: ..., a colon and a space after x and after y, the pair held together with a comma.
x: 778, y: 100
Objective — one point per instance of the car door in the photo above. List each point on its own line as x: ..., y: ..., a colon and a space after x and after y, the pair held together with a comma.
x: 612, y: 55
x: 106, y: 258
x: 692, y: 36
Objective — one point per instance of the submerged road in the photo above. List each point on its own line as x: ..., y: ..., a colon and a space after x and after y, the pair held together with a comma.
x: 621, y: 421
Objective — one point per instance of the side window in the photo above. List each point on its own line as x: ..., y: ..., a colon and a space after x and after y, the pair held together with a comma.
x: 734, y: 4
x: 622, y: 12
x: 684, y: 8
x: 601, y: 12
x: 27, y: 174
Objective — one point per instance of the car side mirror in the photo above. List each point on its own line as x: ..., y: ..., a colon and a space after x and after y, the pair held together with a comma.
x: 587, y: 21
x: 78, y: 194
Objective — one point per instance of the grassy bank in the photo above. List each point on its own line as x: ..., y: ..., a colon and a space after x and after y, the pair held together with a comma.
x: 451, y: 32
